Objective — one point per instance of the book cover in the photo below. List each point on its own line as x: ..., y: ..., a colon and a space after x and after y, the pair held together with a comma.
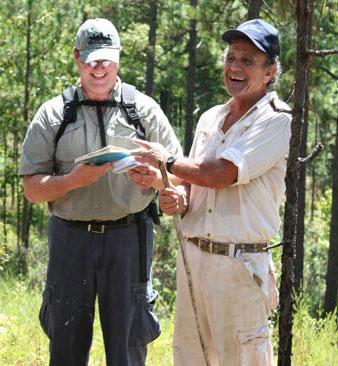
x: 123, y: 165
x: 106, y: 154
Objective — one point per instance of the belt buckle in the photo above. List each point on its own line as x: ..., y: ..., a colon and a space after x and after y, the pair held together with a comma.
x: 211, y: 247
x: 101, y: 231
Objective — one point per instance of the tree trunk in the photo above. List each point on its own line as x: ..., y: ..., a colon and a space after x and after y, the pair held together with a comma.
x: 26, y: 218
x: 304, y: 20
x: 165, y: 102
x: 4, y: 193
x: 331, y: 292
x: 254, y: 9
x: 189, y: 125
x: 151, y: 48
x: 299, y: 259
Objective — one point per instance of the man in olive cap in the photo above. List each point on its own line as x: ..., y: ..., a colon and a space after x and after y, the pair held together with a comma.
x: 233, y: 185
x: 100, y: 231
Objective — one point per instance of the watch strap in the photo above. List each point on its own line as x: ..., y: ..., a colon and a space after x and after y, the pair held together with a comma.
x: 170, y: 161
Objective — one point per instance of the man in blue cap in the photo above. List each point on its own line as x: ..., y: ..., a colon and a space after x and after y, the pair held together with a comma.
x: 233, y: 185
x: 100, y: 232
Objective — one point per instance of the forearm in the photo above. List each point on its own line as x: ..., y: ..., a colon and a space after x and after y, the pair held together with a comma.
x: 212, y: 173
x: 45, y: 188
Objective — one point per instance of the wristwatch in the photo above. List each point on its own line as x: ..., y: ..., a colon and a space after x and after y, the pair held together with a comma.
x: 170, y: 161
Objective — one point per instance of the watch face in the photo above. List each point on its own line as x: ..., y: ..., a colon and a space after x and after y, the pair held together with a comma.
x: 170, y: 161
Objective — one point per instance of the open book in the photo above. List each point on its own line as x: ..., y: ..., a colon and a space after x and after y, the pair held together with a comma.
x: 124, y: 161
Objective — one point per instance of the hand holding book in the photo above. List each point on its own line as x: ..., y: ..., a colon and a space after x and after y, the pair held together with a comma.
x: 121, y: 156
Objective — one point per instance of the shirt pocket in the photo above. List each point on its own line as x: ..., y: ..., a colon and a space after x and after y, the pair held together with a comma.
x: 120, y: 127
x: 206, y: 144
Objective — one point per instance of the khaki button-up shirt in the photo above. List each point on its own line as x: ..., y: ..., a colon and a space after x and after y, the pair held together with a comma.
x: 247, y: 211
x: 114, y: 195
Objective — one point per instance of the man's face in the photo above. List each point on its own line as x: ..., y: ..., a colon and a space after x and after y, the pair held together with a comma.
x: 246, y: 73
x: 98, y: 81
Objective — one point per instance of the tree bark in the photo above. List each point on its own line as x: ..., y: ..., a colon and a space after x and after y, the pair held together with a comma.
x: 299, y: 258
x: 331, y: 293
x: 151, y: 48
x: 4, y: 191
x: 26, y: 217
x: 165, y: 103
x: 188, y: 137
x: 254, y: 9
x: 304, y: 21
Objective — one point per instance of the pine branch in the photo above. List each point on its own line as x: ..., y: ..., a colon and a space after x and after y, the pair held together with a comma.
x: 322, y: 53
x: 313, y: 154
x: 280, y: 110
x: 274, y: 245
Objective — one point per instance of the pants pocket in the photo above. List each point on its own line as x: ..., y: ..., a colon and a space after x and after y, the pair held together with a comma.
x: 44, y: 314
x: 145, y: 325
x: 254, y: 346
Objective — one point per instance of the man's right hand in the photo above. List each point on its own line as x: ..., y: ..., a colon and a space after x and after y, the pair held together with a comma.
x: 85, y: 174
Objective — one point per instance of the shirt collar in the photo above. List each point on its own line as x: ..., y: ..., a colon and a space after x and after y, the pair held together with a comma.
x: 246, y: 120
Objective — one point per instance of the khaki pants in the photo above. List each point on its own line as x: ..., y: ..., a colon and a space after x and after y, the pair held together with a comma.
x: 234, y: 296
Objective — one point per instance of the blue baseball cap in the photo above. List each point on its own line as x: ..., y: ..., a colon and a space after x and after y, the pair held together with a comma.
x: 263, y: 35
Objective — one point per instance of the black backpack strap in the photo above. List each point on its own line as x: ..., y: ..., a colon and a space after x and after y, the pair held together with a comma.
x: 71, y: 102
x: 128, y: 104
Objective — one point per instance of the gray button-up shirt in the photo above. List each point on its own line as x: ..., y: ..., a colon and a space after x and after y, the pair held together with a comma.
x: 113, y: 195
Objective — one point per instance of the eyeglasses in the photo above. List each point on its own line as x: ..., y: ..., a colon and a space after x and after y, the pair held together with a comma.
x: 105, y: 63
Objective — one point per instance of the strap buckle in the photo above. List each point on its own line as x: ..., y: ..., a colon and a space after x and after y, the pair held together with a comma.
x: 96, y: 228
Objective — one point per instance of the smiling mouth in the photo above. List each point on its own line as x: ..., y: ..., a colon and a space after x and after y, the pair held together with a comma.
x: 99, y: 76
x: 236, y: 78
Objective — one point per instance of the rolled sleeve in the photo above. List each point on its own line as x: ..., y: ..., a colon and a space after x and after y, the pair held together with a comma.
x: 237, y: 158
x: 260, y: 148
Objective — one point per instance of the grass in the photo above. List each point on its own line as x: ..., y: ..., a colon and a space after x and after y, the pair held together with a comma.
x: 22, y: 342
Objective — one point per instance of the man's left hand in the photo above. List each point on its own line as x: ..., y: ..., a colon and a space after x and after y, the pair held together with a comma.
x: 143, y: 177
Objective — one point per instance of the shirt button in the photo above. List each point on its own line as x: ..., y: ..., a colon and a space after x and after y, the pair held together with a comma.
x: 208, y: 235
x: 223, y: 141
x: 96, y: 206
x: 210, y: 210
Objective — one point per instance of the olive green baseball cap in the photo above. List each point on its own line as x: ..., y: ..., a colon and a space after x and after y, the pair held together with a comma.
x: 98, y: 39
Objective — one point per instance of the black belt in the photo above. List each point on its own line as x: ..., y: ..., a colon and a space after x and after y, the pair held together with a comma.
x: 223, y: 248
x: 101, y: 226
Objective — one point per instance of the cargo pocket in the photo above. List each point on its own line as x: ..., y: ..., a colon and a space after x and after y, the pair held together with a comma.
x: 44, y: 316
x: 145, y: 326
x: 254, y: 346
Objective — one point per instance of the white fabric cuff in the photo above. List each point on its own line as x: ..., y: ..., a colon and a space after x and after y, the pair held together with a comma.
x: 237, y: 158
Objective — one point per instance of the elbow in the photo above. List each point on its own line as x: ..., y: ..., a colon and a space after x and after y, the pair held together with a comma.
x: 221, y: 174
x: 29, y: 196
x: 28, y: 190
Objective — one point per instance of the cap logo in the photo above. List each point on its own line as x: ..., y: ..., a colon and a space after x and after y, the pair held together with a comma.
x: 99, y: 37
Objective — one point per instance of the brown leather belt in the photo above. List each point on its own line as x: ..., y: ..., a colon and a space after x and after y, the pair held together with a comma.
x: 224, y: 248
